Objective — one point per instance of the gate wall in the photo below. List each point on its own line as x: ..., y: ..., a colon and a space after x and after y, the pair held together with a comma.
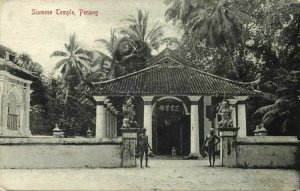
x: 49, y: 152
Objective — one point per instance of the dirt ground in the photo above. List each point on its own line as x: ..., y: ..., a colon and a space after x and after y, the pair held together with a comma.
x: 162, y: 175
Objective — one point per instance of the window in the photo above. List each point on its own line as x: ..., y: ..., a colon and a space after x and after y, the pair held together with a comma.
x: 13, y: 116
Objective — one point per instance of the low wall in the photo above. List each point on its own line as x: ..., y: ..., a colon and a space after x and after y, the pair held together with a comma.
x: 268, y: 152
x: 50, y: 152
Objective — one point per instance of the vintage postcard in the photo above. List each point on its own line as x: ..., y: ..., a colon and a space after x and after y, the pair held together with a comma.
x: 149, y: 95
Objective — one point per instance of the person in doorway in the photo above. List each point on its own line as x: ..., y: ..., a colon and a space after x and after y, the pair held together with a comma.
x: 143, y: 146
x: 212, y: 141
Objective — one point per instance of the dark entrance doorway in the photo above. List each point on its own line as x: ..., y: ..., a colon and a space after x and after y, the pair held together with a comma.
x: 171, y: 129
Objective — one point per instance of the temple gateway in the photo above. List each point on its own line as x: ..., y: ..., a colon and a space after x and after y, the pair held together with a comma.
x: 176, y: 103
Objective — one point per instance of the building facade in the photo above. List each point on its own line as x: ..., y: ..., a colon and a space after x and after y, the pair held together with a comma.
x: 176, y: 103
x: 14, y: 96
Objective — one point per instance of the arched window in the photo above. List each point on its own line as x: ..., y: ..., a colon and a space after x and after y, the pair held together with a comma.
x: 13, y: 116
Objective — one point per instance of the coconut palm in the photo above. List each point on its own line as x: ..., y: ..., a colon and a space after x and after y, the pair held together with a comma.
x: 74, y: 65
x: 74, y: 62
x: 113, y: 53
x: 142, y: 39
x: 219, y: 22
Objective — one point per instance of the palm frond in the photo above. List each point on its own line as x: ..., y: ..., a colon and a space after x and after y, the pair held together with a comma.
x: 60, y: 63
x: 270, y: 116
x: 58, y: 53
x: 263, y: 110
x: 84, y: 64
x: 106, y: 44
x: 106, y: 56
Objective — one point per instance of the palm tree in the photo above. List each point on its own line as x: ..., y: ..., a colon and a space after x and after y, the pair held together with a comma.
x: 283, y: 114
x: 219, y: 22
x: 115, y: 54
x: 74, y: 64
x: 142, y: 40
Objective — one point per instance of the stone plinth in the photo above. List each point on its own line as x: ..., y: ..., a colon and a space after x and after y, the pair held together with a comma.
x: 129, y: 139
x: 89, y: 133
x: 58, y: 132
x: 228, y: 146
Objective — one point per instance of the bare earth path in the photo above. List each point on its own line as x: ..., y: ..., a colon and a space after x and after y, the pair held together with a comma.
x: 163, y: 175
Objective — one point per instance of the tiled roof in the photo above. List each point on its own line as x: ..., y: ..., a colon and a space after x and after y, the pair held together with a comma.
x: 170, y: 77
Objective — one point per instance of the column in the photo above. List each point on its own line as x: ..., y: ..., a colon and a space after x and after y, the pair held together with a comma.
x: 195, y: 147
x: 27, y: 111
x: 112, y: 110
x: 108, y: 120
x: 207, y: 122
x: 2, y: 81
x: 241, y: 115
x: 232, y: 103
x: 112, y: 122
x: 148, y: 117
x: 100, y: 116
x: 4, y: 110
x: 228, y: 153
x: 106, y: 101
x: 116, y: 125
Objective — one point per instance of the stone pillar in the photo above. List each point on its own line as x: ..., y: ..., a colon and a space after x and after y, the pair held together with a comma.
x: 110, y: 115
x: 4, y: 106
x: 129, y: 141
x: 113, y: 126
x: 3, y: 90
x: 195, y: 145
x: 241, y: 115
x: 116, y: 125
x: 228, y: 137
x: 207, y: 122
x: 112, y: 122
x: 100, y: 116
x: 108, y: 119
x: 148, y: 117
x: 22, y: 118
x: 106, y: 101
x: 233, y: 106
x: 27, y: 131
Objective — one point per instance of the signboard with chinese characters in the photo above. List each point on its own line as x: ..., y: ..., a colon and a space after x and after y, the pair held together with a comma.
x: 169, y: 108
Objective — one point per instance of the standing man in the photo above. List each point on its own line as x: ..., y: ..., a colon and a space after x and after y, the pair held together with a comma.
x: 143, y: 146
x: 212, y: 141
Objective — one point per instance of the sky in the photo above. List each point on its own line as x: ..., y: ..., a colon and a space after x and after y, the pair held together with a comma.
x: 40, y: 35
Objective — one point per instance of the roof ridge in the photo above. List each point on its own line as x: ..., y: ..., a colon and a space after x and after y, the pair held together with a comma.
x: 127, y: 75
x: 167, y: 56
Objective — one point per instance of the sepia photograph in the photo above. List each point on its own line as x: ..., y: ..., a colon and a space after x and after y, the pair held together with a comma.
x: 150, y: 95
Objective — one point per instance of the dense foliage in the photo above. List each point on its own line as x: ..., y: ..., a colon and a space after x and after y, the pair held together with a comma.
x: 246, y: 40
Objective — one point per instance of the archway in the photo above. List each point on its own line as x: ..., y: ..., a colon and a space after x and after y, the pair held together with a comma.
x: 171, y: 126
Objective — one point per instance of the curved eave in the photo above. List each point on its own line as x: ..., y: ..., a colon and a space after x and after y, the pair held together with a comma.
x: 171, y: 80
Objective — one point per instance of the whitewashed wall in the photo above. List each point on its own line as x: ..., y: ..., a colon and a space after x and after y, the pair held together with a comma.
x: 49, y: 152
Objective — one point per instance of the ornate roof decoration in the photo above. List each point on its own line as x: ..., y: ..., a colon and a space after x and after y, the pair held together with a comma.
x: 7, y: 65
